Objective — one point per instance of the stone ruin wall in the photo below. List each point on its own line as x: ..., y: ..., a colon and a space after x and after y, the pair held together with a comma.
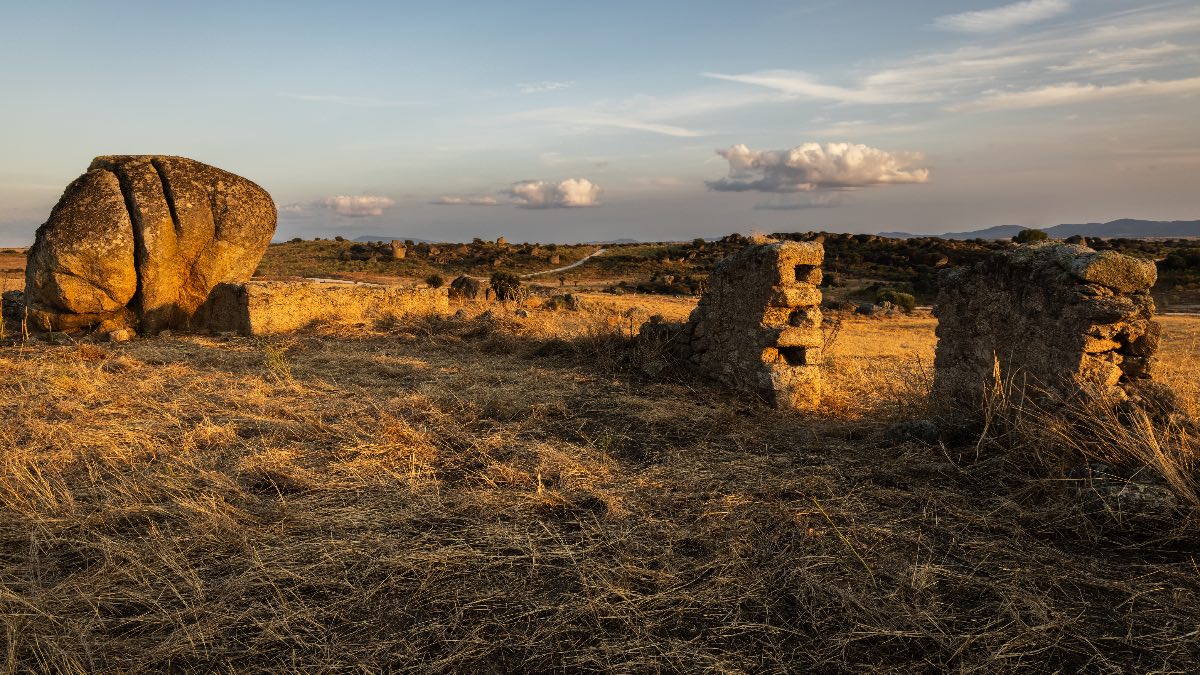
x: 1055, y: 319
x: 758, y: 327
x: 268, y: 307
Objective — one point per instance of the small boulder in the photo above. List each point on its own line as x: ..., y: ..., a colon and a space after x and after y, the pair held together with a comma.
x: 467, y: 288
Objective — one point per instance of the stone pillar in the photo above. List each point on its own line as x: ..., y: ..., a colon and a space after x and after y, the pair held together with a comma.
x: 758, y: 326
x: 1054, y: 320
x: 399, y: 250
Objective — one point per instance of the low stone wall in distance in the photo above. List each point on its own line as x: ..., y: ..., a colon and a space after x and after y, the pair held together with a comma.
x: 1053, y: 319
x: 267, y: 307
x: 758, y: 327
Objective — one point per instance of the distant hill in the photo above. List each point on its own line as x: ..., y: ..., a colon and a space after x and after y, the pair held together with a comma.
x: 1127, y: 228
x: 615, y: 241
x: 371, y: 238
x: 995, y: 232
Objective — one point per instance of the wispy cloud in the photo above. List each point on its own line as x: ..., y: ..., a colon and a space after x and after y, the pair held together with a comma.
x: 860, y: 128
x: 1003, y: 18
x: 465, y: 200
x: 812, y: 166
x: 581, y: 119
x: 544, y: 86
x: 1122, y: 60
x: 353, y: 101
x: 802, y: 84
x: 1094, y: 47
x: 1072, y: 93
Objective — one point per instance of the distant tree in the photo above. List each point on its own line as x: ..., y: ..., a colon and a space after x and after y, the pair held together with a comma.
x: 1030, y: 236
x: 339, y: 238
x: 698, y: 242
x: 435, y: 280
x: 506, y: 285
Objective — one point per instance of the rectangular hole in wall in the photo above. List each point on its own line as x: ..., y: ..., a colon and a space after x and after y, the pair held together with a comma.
x: 804, y: 273
x: 794, y: 356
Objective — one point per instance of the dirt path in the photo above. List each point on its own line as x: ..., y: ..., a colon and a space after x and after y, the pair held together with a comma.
x: 577, y: 263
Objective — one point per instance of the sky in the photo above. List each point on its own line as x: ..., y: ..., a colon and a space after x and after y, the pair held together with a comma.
x: 553, y: 121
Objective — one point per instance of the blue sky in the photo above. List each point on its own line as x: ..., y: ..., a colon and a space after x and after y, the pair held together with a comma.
x: 574, y: 121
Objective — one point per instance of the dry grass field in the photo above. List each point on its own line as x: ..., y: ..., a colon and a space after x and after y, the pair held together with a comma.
x: 497, y: 493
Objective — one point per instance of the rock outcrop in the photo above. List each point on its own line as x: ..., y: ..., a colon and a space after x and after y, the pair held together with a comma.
x: 1050, y: 319
x: 141, y: 241
x: 758, y: 327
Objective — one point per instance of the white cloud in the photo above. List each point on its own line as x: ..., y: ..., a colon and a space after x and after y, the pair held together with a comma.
x: 293, y: 208
x: 1107, y: 44
x: 544, y: 86
x: 1004, y: 17
x: 358, y: 206
x: 1121, y: 60
x: 800, y: 84
x: 540, y: 194
x: 813, y: 166
x: 1071, y: 93
x: 465, y: 200
x: 581, y: 119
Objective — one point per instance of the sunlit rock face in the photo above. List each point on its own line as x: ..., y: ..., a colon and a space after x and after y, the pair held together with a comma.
x: 141, y: 241
x: 758, y: 326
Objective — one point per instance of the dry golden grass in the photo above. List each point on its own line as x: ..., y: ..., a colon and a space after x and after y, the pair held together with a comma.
x: 497, y: 493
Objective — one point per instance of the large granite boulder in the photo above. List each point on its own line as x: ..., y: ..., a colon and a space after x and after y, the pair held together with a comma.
x: 143, y: 240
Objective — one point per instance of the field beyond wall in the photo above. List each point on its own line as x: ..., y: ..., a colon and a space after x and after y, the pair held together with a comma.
x: 498, y: 493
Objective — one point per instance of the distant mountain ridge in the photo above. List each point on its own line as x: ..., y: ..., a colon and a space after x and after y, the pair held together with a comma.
x: 1129, y: 228
x: 372, y: 238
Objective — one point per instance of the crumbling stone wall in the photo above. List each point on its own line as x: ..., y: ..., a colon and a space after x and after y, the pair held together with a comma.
x: 1056, y: 319
x: 758, y: 327
x: 267, y: 307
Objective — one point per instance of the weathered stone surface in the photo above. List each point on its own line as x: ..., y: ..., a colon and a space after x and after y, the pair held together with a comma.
x: 173, y: 226
x: 1122, y: 273
x: 1051, y: 319
x: 267, y: 307
x: 80, y: 269
x: 758, y: 327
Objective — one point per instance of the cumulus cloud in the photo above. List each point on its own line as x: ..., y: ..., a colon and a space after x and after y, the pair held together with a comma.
x: 465, y: 200
x: 812, y: 166
x: 1003, y: 17
x: 358, y: 206
x: 540, y: 194
x: 292, y: 209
